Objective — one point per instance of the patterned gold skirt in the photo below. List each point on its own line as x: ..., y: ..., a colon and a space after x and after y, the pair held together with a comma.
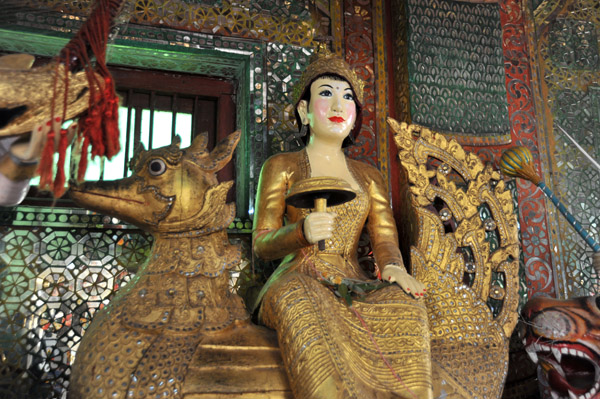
x: 379, y: 348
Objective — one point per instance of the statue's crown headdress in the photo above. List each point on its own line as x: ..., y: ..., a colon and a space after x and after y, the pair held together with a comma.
x: 324, y: 62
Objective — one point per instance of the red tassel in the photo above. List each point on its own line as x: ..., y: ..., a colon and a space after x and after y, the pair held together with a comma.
x: 46, y: 166
x: 98, y: 127
x: 92, y: 130
x: 83, y: 161
x: 111, y: 120
x: 59, y: 179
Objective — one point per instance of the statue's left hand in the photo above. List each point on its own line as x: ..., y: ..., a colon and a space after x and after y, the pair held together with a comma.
x: 410, y: 285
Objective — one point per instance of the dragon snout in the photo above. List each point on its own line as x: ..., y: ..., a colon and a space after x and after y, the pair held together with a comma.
x: 103, y: 196
x: 101, y: 186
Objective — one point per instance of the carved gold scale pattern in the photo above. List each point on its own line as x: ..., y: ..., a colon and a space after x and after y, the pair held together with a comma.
x: 469, y: 342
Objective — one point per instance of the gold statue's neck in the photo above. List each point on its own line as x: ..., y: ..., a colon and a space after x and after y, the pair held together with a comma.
x: 204, y: 235
x: 191, y: 255
x: 206, y: 232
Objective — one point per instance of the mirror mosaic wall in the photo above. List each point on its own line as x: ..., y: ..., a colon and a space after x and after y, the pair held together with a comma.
x: 59, y: 265
x: 567, y: 44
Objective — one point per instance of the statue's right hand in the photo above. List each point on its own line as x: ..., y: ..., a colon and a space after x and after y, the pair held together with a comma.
x: 318, y: 226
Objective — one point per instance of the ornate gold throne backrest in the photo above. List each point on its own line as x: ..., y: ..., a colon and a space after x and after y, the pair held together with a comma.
x: 473, y: 289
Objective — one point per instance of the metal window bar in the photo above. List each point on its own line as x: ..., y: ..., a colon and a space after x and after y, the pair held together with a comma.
x: 128, y: 131
x: 137, y: 127
x: 152, y: 108
x: 174, y: 116
x: 137, y: 102
x: 195, y: 117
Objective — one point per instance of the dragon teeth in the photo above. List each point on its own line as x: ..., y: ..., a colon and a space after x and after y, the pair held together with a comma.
x: 595, y: 389
x: 557, y: 354
x: 532, y: 353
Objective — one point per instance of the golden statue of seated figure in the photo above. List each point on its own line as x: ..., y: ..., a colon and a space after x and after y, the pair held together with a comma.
x: 176, y: 330
x: 379, y: 346
x: 395, y: 341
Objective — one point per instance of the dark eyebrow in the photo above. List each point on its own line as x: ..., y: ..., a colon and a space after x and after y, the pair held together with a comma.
x: 331, y: 87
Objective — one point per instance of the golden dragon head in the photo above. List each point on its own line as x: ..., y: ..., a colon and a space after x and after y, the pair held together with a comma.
x: 172, y: 190
x: 26, y: 93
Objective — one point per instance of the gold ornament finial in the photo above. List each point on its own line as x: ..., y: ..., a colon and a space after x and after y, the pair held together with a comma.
x: 518, y: 162
x: 321, y: 51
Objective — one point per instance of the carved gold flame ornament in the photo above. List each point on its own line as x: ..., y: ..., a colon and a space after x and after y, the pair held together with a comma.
x: 472, y: 291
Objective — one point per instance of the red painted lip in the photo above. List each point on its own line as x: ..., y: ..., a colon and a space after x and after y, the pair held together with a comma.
x: 337, y: 119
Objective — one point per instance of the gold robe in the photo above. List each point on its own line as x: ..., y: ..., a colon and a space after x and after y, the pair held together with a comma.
x: 379, y: 348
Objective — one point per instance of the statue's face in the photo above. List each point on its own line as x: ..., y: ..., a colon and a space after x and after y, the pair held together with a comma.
x: 331, y: 112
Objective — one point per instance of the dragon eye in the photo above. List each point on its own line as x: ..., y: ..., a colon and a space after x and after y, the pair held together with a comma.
x: 157, y: 167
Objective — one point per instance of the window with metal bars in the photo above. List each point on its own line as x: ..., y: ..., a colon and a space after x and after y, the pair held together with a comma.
x: 155, y: 107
